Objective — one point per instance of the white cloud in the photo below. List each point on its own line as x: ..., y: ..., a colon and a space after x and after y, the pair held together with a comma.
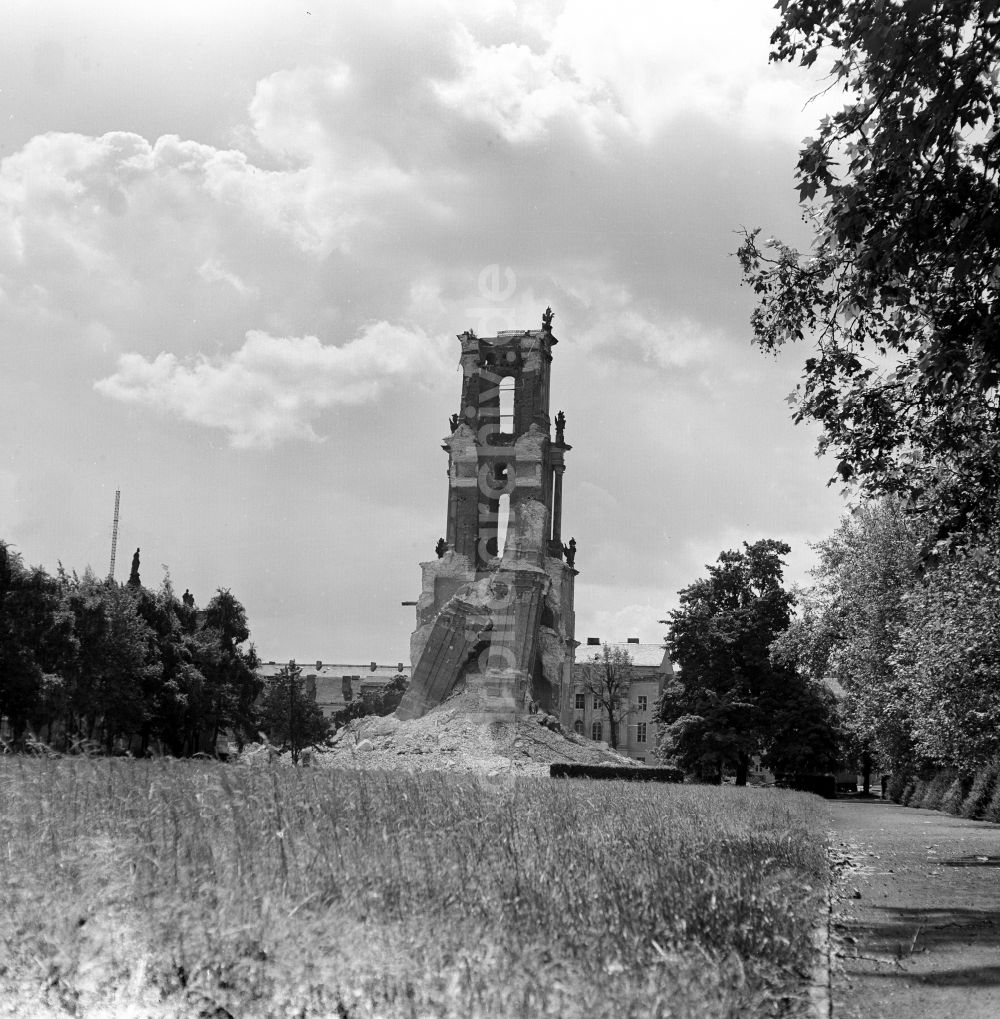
x: 629, y: 68
x: 663, y: 343
x: 363, y: 165
x: 518, y: 92
x: 213, y: 271
x: 274, y: 389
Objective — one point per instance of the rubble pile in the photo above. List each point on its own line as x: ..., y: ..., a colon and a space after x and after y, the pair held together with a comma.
x: 456, y: 736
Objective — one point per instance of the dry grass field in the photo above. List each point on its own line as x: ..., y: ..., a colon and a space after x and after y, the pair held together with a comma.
x: 134, y: 888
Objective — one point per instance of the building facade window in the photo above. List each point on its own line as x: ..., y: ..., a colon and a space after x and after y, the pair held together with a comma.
x: 597, y: 703
x: 642, y: 702
x: 640, y: 733
x: 597, y: 732
x: 578, y: 726
x: 581, y: 701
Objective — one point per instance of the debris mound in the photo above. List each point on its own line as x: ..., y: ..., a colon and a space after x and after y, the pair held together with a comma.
x: 459, y: 736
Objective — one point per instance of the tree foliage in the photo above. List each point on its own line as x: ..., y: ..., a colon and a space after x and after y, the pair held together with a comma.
x: 914, y: 641
x: 730, y: 701
x: 86, y: 658
x: 36, y: 641
x: 289, y: 715
x: 851, y: 621
x: 899, y: 292
x: 949, y: 650
x: 230, y: 669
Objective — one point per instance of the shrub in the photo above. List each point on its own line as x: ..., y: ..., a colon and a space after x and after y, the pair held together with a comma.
x: 896, y: 786
x: 935, y: 789
x: 991, y: 812
x: 954, y: 797
x: 624, y: 772
x: 913, y: 793
x: 821, y: 785
x: 981, y: 792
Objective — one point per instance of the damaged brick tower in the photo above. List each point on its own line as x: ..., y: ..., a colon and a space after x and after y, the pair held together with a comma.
x: 498, y: 621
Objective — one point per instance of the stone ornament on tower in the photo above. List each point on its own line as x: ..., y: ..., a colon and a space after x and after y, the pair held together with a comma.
x: 441, y: 547
x: 547, y: 317
x: 569, y: 551
x: 560, y: 427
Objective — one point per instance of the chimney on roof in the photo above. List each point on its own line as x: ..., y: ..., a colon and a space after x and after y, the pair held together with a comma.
x: 593, y: 641
x: 632, y: 640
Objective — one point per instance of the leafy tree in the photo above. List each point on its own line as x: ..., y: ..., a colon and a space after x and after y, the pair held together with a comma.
x: 289, y: 716
x: 230, y: 669
x: 607, y: 677
x: 805, y: 731
x: 949, y: 651
x: 20, y: 673
x: 851, y: 622
x: 730, y: 700
x: 36, y: 643
x: 899, y: 291
x: 706, y: 730
x: 179, y: 705
x: 116, y: 664
x: 85, y: 656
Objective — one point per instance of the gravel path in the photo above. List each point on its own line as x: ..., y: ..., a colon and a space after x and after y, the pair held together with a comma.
x: 916, y: 914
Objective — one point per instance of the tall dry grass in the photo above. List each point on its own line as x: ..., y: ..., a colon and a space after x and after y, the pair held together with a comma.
x: 183, y: 889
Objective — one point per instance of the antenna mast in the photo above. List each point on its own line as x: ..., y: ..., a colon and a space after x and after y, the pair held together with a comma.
x: 114, y: 536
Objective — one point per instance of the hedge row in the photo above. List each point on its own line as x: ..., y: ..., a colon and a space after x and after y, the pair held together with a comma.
x: 627, y: 773
x: 965, y: 795
x: 821, y: 785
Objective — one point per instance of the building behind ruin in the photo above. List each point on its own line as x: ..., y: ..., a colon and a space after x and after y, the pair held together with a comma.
x: 638, y: 729
x: 335, y: 685
x: 495, y: 613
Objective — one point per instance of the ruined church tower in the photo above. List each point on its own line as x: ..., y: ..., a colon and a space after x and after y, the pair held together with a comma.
x: 495, y: 615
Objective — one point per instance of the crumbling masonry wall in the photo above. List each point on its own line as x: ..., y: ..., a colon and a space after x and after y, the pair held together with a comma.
x: 499, y: 621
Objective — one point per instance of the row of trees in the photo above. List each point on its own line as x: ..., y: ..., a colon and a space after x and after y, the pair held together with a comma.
x: 892, y: 660
x: 912, y: 635
x: 898, y: 299
x: 87, y: 658
x: 124, y: 667
x: 899, y: 293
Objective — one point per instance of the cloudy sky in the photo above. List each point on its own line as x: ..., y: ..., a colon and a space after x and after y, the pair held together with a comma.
x: 237, y: 240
